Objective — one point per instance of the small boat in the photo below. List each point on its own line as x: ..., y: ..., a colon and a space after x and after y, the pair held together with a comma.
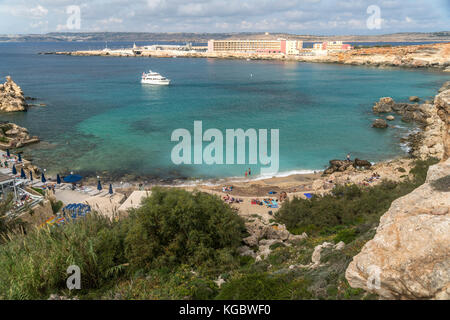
x: 154, y: 78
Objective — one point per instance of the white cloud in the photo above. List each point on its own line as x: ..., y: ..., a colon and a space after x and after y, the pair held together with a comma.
x: 38, y: 12
x: 305, y: 16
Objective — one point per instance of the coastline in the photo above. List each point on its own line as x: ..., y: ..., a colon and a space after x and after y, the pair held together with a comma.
x: 258, y: 185
x: 435, y: 56
x: 294, y: 182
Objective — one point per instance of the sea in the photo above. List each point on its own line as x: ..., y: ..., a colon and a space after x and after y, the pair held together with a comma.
x: 94, y: 117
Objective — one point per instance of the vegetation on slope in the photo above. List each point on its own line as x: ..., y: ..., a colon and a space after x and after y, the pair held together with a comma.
x: 178, y: 243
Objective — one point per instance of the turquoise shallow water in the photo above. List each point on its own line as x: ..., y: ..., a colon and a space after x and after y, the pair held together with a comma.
x: 98, y: 118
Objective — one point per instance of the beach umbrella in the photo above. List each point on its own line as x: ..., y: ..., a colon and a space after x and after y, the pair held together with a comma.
x: 43, y: 178
x: 58, y: 179
x: 72, y: 178
x: 20, y: 158
x: 99, y: 186
x: 22, y: 174
x: 7, y: 153
x: 31, y: 175
x: 14, y: 170
x: 110, y: 189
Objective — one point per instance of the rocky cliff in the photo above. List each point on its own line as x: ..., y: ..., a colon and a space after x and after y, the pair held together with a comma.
x: 409, y: 257
x: 11, y: 97
x: 417, y: 56
x: 433, y: 140
x: 442, y: 103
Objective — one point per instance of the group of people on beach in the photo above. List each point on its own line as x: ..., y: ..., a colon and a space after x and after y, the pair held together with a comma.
x: 248, y: 172
x: 375, y: 176
x: 229, y: 199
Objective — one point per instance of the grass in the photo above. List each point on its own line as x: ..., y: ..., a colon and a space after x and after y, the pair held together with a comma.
x: 178, y: 243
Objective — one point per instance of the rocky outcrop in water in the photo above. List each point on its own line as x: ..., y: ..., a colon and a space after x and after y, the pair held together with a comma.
x: 409, y: 257
x: 379, y: 123
x: 409, y: 111
x: 14, y: 136
x: 11, y: 97
x: 384, y: 105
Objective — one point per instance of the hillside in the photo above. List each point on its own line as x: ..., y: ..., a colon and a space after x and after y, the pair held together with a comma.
x: 204, y: 37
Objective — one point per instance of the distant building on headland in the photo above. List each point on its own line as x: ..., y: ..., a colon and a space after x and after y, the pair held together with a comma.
x: 280, y: 46
x: 331, y: 46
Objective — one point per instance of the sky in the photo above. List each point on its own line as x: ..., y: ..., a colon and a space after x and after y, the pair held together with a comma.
x: 318, y: 17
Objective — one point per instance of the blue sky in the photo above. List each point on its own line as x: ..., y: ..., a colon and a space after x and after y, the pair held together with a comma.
x: 292, y: 16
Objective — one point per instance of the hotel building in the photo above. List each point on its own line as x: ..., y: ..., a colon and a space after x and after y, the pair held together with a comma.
x: 332, y: 46
x: 256, y: 46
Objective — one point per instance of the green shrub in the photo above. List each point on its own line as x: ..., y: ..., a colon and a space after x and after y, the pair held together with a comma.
x: 38, y: 190
x: 56, y: 206
x: 257, y: 286
x: 8, y: 224
x: 176, y: 227
x: 346, y: 235
x: 347, y: 206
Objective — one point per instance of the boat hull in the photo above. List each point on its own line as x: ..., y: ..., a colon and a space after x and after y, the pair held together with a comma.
x: 156, y: 82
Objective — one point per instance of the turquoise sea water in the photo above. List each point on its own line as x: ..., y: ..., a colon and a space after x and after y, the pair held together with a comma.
x: 98, y: 118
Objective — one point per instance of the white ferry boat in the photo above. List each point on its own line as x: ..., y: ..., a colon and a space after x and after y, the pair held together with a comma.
x: 154, y: 78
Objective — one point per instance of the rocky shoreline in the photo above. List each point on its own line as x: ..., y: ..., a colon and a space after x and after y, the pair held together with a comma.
x: 12, y: 99
x: 409, y: 256
x: 431, y: 140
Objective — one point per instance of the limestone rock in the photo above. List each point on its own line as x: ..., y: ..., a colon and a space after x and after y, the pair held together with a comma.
x: 15, y: 136
x: 340, y: 245
x: 379, y: 123
x: 445, y: 86
x: 442, y: 103
x: 390, y: 117
x: 11, y: 97
x: 434, y: 139
x: 315, y: 258
x: 409, y: 257
x: 414, y: 98
x: 246, y: 251
x: 384, y: 105
x: 260, y: 231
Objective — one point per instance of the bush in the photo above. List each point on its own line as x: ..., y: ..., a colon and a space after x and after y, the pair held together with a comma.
x: 8, y: 224
x: 56, y: 206
x: 347, y: 205
x: 346, y: 235
x: 40, y: 191
x: 176, y: 227
x: 257, y: 286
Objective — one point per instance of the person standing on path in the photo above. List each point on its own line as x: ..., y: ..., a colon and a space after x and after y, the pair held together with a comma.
x: 246, y: 173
